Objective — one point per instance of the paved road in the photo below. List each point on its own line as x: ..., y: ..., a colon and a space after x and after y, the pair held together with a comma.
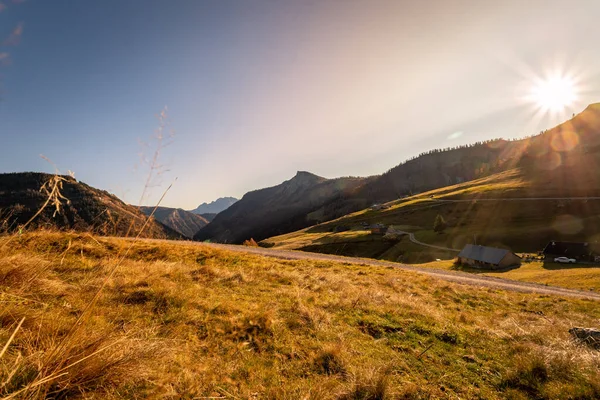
x: 452, y: 276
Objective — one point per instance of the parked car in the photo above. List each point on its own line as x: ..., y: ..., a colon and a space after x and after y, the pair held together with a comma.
x: 565, y: 260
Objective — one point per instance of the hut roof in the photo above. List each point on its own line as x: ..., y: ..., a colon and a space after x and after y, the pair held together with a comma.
x: 491, y: 255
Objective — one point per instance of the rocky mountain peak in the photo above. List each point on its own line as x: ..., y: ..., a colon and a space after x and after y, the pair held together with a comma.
x: 306, y: 178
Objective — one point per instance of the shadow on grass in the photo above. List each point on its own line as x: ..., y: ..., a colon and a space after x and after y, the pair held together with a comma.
x: 553, y: 266
x: 472, y: 270
x: 365, y: 249
x: 360, y: 238
x: 320, y: 229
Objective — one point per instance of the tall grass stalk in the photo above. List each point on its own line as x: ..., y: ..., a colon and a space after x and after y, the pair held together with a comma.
x: 56, y: 363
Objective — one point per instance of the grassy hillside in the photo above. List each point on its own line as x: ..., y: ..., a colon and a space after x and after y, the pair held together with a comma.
x: 181, y: 320
x: 558, y: 147
x: 521, y: 209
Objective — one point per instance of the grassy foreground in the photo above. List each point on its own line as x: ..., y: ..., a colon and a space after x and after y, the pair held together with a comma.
x: 183, y: 320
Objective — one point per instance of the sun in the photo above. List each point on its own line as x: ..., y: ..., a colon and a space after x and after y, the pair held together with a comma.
x: 554, y: 94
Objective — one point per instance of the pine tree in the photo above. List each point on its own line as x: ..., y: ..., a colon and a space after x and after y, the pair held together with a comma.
x: 440, y: 224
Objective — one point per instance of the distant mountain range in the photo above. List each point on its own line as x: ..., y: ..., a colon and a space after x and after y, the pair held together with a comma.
x: 216, y: 206
x: 184, y: 222
x: 84, y: 208
x: 276, y: 210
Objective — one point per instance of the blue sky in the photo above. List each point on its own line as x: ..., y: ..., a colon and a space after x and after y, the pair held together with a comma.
x: 257, y: 90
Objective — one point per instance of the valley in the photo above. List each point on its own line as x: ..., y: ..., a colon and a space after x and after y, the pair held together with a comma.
x: 299, y: 200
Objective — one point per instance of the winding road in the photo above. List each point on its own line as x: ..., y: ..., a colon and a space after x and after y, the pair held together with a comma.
x: 412, y: 238
x: 451, y: 276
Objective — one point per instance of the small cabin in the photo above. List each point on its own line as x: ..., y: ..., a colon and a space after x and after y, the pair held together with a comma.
x: 487, y: 257
x: 378, y: 229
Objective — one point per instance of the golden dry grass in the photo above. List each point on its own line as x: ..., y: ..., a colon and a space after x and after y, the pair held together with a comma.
x: 581, y: 276
x: 578, y: 276
x: 183, y: 320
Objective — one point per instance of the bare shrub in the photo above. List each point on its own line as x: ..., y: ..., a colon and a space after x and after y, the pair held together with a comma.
x: 250, y: 243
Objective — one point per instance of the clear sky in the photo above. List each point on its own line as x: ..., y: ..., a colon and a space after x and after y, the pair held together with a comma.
x: 257, y: 90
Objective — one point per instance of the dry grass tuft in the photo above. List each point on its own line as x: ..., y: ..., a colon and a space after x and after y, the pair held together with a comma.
x: 330, y: 362
x: 372, y: 388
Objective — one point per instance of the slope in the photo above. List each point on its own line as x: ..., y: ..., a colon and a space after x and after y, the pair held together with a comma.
x: 551, y: 193
x: 278, y: 209
x: 184, y: 222
x: 84, y: 208
x: 208, y: 216
x: 443, y: 167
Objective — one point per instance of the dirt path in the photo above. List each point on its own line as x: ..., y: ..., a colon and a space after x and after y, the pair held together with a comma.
x: 452, y: 276
x: 412, y: 238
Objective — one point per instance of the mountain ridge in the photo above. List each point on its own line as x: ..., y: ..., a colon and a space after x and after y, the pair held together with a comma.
x: 279, y: 208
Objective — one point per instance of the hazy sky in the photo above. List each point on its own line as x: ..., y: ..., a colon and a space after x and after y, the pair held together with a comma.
x: 257, y: 90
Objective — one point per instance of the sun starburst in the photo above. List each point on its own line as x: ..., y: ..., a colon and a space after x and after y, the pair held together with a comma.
x: 554, y: 93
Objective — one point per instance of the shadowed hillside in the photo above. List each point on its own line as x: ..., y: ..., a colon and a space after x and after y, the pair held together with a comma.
x: 84, y: 208
x: 179, y: 220
x: 275, y: 210
x: 208, y: 216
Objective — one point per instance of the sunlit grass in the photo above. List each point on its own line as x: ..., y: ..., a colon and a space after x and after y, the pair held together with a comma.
x: 578, y: 276
x: 583, y: 277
